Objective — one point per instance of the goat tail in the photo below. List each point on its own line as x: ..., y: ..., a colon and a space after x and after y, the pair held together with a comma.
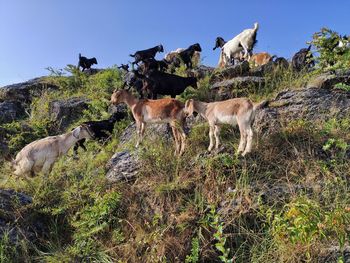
x: 132, y: 55
x: 260, y: 105
x: 256, y: 26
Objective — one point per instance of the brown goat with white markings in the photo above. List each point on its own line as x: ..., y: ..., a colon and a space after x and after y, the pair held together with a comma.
x: 155, y: 111
x: 239, y: 111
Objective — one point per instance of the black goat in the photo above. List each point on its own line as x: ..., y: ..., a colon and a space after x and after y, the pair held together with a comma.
x: 142, y: 55
x: 156, y: 82
x: 187, y: 54
x: 100, y: 129
x: 152, y: 64
x: 303, y: 59
x: 86, y: 63
x: 125, y: 67
x: 219, y: 43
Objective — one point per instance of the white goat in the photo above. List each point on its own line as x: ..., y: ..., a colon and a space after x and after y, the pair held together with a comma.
x: 155, y: 111
x: 41, y: 155
x: 244, y: 41
x: 239, y: 111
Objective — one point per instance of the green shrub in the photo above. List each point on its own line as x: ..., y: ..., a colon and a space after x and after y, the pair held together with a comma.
x: 330, y: 55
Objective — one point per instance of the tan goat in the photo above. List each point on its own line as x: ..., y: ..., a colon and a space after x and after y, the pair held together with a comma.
x: 259, y: 59
x: 41, y: 155
x: 239, y: 111
x: 155, y: 111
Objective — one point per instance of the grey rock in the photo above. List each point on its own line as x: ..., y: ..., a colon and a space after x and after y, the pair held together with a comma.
x: 329, y: 79
x: 312, y: 104
x: 238, y: 70
x: 269, y: 67
x: 92, y: 71
x: 237, y: 87
x: 25, y: 91
x: 18, y: 221
x: 64, y: 112
x: 123, y: 166
x: 10, y: 111
x: 201, y: 72
x: 333, y: 253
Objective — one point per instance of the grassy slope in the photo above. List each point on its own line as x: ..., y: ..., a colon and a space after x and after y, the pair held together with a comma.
x: 211, y: 207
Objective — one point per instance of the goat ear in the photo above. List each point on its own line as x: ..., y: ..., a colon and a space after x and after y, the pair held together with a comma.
x: 189, y: 107
x: 76, y: 132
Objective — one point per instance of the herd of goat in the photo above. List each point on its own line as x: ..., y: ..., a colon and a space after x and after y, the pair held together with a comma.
x: 151, y: 78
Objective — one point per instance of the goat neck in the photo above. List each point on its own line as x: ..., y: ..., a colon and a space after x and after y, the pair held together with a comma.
x: 68, y: 140
x: 200, y: 107
x: 130, y: 100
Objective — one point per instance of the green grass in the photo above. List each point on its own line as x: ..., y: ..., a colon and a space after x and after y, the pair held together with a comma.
x: 199, y: 207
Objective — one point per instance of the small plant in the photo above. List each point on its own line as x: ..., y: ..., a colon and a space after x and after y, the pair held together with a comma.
x: 343, y: 86
x: 194, y: 256
x: 219, y: 236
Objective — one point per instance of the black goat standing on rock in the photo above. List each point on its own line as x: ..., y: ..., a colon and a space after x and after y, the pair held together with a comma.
x: 187, y: 54
x: 142, y: 55
x: 86, y: 63
x: 101, y: 129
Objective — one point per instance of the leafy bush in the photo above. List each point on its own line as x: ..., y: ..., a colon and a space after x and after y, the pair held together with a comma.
x: 330, y: 55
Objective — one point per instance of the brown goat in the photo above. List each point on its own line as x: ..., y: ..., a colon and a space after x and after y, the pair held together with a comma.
x: 155, y: 111
x: 260, y: 59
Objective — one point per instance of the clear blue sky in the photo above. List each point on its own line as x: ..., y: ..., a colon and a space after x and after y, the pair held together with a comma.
x: 36, y: 34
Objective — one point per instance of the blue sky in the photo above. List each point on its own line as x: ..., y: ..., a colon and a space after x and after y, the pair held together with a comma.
x: 40, y: 33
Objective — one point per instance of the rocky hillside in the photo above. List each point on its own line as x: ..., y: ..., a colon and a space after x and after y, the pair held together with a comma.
x: 288, y: 201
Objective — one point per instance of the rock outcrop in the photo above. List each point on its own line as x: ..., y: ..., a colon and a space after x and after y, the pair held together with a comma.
x: 64, y: 112
x: 311, y: 104
x: 25, y: 91
x: 238, y: 70
x: 330, y: 79
x: 16, y: 220
x: 237, y: 87
x: 10, y: 111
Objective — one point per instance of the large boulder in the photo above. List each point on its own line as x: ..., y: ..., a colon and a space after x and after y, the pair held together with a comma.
x: 312, y: 104
x: 25, y: 91
x: 238, y: 70
x: 330, y: 79
x: 237, y: 87
x: 10, y: 111
x: 269, y: 67
x: 17, y: 220
x: 64, y: 112
x: 123, y: 166
x: 201, y: 72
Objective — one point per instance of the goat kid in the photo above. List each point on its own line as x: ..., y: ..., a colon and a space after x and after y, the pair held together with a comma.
x: 41, y: 155
x: 187, y: 54
x: 102, y: 130
x: 239, y: 111
x: 155, y: 111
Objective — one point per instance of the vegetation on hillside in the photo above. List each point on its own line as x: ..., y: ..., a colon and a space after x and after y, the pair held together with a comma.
x: 288, y: 201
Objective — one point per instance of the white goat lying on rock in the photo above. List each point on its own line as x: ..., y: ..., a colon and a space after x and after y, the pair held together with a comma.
x: 244, y: 41
x: 41, y: 155
x: 239, y: 111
